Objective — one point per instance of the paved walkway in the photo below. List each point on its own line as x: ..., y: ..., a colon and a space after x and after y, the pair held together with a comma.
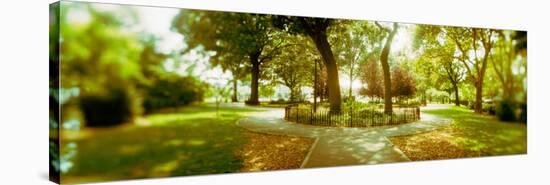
x: 335, y: 146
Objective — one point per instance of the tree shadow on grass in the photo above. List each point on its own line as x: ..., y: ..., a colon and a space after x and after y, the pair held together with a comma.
x: 485, y: 134
x: 187, y: 142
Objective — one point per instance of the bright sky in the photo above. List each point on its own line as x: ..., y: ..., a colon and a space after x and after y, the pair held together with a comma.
x: 403, y: 39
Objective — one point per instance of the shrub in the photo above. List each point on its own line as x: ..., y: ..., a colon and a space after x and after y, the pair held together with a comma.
x: 106, y: 110
x: 278, y: 101
x: 173, y: 91
x: 505, y: 110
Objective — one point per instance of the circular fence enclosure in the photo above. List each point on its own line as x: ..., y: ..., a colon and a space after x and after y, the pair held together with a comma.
x: 351, y: 117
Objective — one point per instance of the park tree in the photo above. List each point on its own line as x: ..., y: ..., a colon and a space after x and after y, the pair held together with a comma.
x: 441, y: 53
x: 354, y: 42
x: 474, y: 46
x: 316, y: 29
x: 372, y: 77
x: 403, y: 83
x: 455, y: 75
x: 248, y: 36
x: 237, y: 65
x: 426, y: 76
x: 320, y: 87
x: 386, y: 67
x: 293, y: 68
x: 103, y: 66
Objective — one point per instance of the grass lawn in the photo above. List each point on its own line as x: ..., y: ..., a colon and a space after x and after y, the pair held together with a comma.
x: 470, y: 135
x: 191, y: 141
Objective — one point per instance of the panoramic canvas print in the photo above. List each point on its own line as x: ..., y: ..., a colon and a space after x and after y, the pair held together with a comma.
x: 146, y: 92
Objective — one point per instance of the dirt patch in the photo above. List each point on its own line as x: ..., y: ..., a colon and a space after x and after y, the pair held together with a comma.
x: 434, y: 145
x: 272, y: 152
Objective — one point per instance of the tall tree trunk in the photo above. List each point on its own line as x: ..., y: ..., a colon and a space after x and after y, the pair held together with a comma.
x: 479, y: 95
x: 333, y: 83
x: 293, y: 94
x: 457, y: 97
x: 254, y: 97
x: 479, y: 88
x: 388, y: 109
x: 350, y: 82
x: 234, y: 98
x: 315, y: 87
x: 478, y: 107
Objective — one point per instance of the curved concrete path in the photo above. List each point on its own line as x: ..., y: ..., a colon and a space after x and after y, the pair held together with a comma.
x: 336, y: 146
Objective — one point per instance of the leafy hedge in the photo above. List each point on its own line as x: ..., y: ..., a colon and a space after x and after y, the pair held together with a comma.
x: 173, y: 91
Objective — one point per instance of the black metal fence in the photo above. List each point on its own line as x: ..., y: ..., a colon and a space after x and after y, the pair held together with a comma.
x: 359, y: 117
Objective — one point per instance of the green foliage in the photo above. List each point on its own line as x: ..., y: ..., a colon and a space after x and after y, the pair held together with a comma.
x: 102, y: 62
x: 267, y: 90
x: 302, y: 25
x: 293, y: 67
x: 354, y: 44
x: 105, y: 57
x: 117, y: 72
x: 234, y: 38
x: 435, y: 95
x: 316, y: 29
x: 173, y: 91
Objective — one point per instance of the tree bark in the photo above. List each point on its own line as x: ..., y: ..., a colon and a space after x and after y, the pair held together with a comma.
x: 333, y: 83
x: 479, y: 95
x: 479, y: 85
x: 315, y: 87
x: 457, y: 97
x: 478, y: 106
x: 388, y: 107
x: 235, y: 91
x: 254, y: 97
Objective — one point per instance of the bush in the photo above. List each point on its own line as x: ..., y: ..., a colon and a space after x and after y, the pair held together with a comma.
x: 278, y: 101
x: 106, y: 110
x: 173, y: 91
x: 505, y: 111
x: 411, y: 103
